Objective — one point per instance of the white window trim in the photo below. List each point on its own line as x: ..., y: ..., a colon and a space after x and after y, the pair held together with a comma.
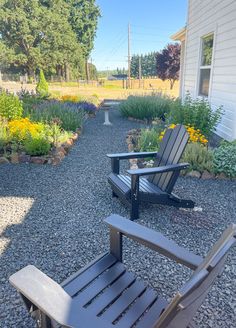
x: 207, y: 32
x: 201, y: 67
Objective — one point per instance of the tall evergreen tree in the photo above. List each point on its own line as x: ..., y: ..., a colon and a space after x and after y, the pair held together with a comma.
x: 148, y: 65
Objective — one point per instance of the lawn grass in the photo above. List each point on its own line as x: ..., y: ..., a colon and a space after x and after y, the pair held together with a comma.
x: 111, y: 89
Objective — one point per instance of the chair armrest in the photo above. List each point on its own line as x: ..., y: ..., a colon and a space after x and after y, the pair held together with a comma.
x: 154, y: 240
x: 160, y: 169
x: 44, y: 293
x: 132, y: 155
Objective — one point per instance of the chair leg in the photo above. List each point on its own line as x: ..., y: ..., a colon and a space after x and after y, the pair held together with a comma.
x: 114, y: 194
x: 175, y: 201
x: 134, y: 215
x: 186, y: 203
x: 134, y: 197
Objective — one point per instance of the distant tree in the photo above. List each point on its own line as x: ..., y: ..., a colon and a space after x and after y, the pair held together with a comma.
x: 134, y: 66
x: 148, y: 65
x: 38, y: 35
x: 168, y: 63
x: 54, y: 35
x: 83, y: 18
x: 93, y: 71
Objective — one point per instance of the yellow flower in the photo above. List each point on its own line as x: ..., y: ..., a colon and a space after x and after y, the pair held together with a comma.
x: 194, y: 134
x: 70, y: 98
x: 19, y: 129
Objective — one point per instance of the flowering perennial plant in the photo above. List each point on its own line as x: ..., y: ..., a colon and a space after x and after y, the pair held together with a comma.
x: 194, y: 134
x: 20, y: 129
x: 70, y: 98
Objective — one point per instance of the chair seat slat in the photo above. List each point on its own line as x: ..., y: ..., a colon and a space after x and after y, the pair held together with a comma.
x: 111, y: 294
x: 120, y: 305
x: 137, y: 309
x: 145, y: 185
x: 151, y: 316
x: 100, y: 284
x: 89, y: 275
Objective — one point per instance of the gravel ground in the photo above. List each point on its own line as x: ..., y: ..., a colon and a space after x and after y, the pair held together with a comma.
x: 52, y: 217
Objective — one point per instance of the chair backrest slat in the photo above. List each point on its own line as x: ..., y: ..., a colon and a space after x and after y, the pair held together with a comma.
x: 171, y: 150
x: 185, y: 304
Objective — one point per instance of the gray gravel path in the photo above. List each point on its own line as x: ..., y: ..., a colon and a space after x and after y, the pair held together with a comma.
x: 52, y: 217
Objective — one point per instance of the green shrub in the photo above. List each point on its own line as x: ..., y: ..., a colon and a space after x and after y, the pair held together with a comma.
x: 4, y: 134
x: 10, y: 106
x: 42, y: 86
x: 197, y: 113
x: 199, y: 157
x: 70, y: 116
x: 225, y: 159
x: 37, y: 146
x: 146, y: 107
x: 149, y: 139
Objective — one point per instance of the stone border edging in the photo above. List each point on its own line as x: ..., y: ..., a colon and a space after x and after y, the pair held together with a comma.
x: 55, y: 156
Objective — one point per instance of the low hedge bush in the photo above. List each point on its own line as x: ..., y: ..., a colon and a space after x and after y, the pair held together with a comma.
x: 146, y: 107
x: 69, y: 114
x: 196, y: 113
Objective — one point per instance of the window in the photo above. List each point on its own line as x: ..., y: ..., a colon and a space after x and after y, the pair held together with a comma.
x: 205, y: 65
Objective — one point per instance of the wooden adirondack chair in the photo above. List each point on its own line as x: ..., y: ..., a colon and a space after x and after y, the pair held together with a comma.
x: 157, y: 187
x: 105, y: 295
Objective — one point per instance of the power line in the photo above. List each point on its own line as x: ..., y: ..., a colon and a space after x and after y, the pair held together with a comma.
x: 122, y: 41
x: 115, y: 38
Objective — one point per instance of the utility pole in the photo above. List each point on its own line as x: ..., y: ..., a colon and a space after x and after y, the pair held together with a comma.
x: 139, y: 71
x: 129, y: 58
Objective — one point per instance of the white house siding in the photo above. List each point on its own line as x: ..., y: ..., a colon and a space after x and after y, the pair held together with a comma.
x: 204, y: 17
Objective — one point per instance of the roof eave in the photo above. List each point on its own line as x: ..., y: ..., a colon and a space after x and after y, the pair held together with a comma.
x: 180, y: 35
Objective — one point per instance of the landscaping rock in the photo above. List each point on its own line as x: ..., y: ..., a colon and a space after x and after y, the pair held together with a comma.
x: 221, y: 176
x: 58, y: 152
x: 14, y: 158
x: 67, y: 145
x: 3, y: 160
x: 194, y: 174
x: 56, y: 160
x: 207, y: 175
x: 23, y: 158
x: 38, y: 160
x: 75, y: 136
x: 130, y: 147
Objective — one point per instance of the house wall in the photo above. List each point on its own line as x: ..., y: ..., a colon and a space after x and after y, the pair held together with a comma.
x: 204, y: 17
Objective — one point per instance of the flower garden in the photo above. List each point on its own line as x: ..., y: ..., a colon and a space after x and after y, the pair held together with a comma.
x: 40, y: 130
x: 159, y: 113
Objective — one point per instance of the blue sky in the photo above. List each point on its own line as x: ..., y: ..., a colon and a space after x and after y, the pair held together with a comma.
x: 152, y: 22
